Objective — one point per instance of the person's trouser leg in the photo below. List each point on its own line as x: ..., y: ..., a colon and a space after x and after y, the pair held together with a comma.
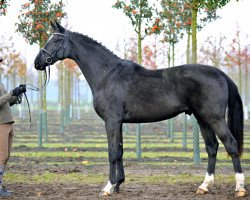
x: 6, y: 138
x: 10, y: 141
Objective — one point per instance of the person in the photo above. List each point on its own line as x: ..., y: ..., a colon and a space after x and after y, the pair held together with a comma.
x: 6, y: 130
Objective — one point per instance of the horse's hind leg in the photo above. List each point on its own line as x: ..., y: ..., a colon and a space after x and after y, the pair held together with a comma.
x: 222, y: 131
x: 212, y: 145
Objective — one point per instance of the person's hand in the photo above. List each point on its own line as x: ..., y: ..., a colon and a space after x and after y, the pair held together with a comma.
x: 23, y: 88
x: 17, y: 91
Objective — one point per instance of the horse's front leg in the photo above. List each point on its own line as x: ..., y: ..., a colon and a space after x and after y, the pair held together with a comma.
x: 120, y: 168
x: 114, y: 134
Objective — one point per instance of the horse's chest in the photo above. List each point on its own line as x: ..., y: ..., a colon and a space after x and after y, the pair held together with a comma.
x: 99, y: 106
x: 107, y: 104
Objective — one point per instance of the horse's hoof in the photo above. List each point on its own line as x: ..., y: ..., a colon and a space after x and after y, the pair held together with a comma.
x: 105, y: 194
x: 200, y: 191
x: 116, y: 190
x: 241, y: 193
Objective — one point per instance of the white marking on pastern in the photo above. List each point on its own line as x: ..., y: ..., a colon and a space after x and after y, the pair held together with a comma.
x: 240, y: 182
x: 209, y: 179
x: 109, y: 188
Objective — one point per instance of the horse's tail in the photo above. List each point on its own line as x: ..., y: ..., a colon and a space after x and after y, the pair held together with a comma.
x: 235, y: 116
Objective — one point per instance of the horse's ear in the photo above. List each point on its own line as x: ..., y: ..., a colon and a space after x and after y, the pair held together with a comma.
x: 60, y: 28
x: 54, y: 27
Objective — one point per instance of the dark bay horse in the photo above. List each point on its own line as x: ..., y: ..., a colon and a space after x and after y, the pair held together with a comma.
x: 125, y: 92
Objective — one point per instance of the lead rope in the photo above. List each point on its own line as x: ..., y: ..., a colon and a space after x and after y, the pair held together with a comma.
x: 47, y: 78
x: 34, y: 88
x: 28, y: 107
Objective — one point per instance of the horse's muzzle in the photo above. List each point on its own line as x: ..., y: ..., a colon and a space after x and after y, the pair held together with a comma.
x: 38, y: 66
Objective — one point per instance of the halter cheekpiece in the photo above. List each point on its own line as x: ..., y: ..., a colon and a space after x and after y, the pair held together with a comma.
x: 49, y: 59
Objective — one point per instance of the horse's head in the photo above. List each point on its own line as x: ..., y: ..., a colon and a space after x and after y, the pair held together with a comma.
x: 56, y: 48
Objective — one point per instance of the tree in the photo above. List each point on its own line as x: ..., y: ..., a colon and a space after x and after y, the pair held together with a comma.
x: 169, y: 24
x: 71, y: 67
x: 140, y: 13
x: 3, y: 7
x: 212, y: 51
x: 17, y: 70
x: 13, y: 67
x: 149, y: 60
x: 61, y: 96
x: 246, y: 61
x: 6, y: 47
x: 131, y: 50
x: 35, y: 17
x: 210, y: 8
x: 77, y: 98
x: 238, y: 56
x: 35, y: 27
x: 175, y: 19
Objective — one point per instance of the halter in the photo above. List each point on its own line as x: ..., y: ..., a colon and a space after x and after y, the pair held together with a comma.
x: 49, y: 59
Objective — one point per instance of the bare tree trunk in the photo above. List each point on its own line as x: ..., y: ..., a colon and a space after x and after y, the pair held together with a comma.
x: 196, y: 142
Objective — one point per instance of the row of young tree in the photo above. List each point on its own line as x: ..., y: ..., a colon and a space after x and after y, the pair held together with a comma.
x: 171, y: 20
x: 229, y: 54
x: 34, y: 25
x: 14, y: 71
x: 13, y: 66
x: 166, y: 21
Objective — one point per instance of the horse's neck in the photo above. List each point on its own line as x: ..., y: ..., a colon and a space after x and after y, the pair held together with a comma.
x: 94, y: 65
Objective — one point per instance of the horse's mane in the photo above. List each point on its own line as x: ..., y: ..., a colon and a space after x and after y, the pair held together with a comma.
x: 93, y: 43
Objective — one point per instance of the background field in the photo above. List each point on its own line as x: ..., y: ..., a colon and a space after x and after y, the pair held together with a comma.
x: 75, y: 165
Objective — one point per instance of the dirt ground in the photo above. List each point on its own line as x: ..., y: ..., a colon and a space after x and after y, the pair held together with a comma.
x: 128, y: 191
x: 131, y: 190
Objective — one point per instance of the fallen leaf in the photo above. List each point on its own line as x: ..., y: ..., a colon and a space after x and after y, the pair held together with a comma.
x: 85, y: 162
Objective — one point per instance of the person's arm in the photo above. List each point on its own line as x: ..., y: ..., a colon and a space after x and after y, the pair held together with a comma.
x: 5, y: 98
x: 13, y: 100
